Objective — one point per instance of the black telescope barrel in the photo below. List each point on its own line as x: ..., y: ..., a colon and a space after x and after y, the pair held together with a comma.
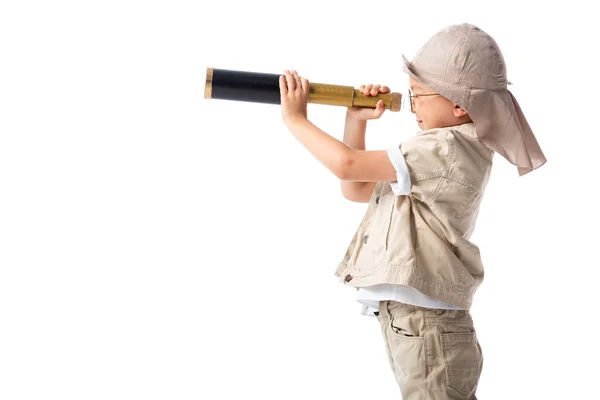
x: 260, y: 87
x: 245, y: 86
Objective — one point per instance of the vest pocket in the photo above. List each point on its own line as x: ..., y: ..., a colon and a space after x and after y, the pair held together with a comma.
x: 463, y: 359
x: 371, y: 240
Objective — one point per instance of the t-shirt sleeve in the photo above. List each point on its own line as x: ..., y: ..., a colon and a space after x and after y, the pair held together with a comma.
x: 402, y: 184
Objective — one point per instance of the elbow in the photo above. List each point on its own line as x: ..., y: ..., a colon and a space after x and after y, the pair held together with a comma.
x: 343, y: 167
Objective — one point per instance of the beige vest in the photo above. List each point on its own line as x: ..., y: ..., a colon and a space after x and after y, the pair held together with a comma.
x: 422, y: 239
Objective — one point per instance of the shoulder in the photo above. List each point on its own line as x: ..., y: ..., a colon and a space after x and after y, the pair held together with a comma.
x: 430, y: 141
x: 464, y: 138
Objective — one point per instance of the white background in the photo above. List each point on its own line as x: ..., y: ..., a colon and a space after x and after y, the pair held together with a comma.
x: 157, y: 245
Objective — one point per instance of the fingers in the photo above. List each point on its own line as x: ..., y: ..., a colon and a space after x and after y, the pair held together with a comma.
x: 366, y: 89
x: 297, y: 80
x: 373, y: 90
x: 305, y: 85
x: 291, y: 82
x: 282, y: 85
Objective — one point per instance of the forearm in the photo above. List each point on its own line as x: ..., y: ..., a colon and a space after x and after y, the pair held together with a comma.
x: 354, y: 137
x: 328, y: 150
x: 354, y: 133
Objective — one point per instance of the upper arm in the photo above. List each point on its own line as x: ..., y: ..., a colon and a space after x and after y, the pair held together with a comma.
x: 360, y: 194
x: 415, y: 167
x: 380, y: 165
x: 368, y: 166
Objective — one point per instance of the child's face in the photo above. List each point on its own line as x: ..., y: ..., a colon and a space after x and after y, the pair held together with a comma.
x: 435, y: 111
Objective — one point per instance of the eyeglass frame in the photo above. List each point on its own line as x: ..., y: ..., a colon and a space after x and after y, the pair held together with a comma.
x: 411, y: 98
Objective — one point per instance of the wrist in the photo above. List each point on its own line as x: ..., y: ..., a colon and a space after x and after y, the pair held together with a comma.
x: 295, y: 120
x: 353, y: 116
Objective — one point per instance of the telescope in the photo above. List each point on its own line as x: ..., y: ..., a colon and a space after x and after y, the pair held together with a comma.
x: 258, y: 87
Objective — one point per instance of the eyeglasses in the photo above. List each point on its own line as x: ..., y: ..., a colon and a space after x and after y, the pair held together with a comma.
x: 412, y: 98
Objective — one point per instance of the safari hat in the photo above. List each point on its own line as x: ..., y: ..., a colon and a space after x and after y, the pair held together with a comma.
x: 465, y: 65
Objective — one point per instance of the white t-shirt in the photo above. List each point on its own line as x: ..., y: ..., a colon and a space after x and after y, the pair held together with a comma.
x: 370, y: 296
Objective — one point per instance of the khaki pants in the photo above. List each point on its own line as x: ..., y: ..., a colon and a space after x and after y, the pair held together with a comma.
x: 434, y: 353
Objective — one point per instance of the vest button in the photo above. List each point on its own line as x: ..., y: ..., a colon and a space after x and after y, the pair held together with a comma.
x: 365, y: 238
x: 348, y: 278
x: 377, y: 200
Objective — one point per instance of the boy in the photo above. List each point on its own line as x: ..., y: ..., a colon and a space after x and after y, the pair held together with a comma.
x: 410, y: 258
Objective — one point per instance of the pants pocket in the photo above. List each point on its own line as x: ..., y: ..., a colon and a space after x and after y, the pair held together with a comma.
x: 407, y: 346
x: 463, y: 359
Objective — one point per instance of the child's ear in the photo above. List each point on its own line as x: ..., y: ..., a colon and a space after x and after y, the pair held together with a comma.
x: 458, y: 111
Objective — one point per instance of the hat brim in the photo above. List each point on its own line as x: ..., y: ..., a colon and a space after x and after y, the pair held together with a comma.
x: 457, y: 94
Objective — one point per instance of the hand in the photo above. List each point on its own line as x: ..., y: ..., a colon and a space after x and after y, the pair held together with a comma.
x: 294, y: 96
x: 366, y: 113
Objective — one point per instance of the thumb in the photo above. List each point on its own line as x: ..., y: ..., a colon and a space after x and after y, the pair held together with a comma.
x: 379, y: 109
